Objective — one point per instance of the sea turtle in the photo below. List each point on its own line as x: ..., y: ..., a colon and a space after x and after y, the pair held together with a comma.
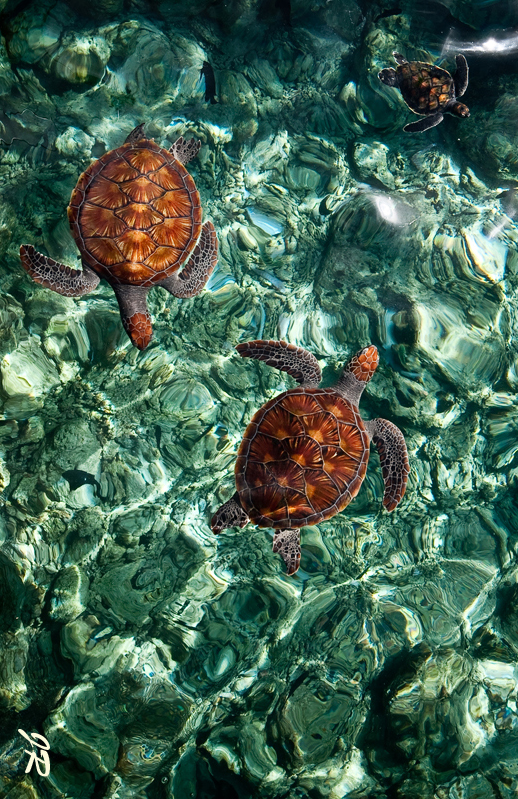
x: 136, y: 217
x: 428, y: 89
x: 304, y: 454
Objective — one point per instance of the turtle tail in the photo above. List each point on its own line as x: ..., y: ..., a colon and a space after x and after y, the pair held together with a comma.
x: 388, y: 76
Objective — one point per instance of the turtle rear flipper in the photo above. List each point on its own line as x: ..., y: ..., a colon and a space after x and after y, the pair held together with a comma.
x: 460, y: 79
x: 60, y: 278
x: 296, y: 361
x: 287, y: 544
x: 423, y: 124
x: 391, y: 446
x: 388, y: 76
x: 231, y: 514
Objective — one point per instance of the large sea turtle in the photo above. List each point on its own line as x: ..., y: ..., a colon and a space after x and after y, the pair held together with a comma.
x: 304, y: 454
x: 136, y: 217
x: 428, y: 89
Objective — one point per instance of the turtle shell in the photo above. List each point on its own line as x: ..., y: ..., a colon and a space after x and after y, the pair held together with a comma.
x: 302, y: 459
x: 135, y: 214
x: 425, y: 88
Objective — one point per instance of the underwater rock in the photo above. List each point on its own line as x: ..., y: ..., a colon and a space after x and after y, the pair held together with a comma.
x: 472, y: 254
x: 468, y: 353
x: 66, y: 340
x: 74, y: 142
x: 98, y: 8
x: 40, y: 39
x: 35, y: 32
x: 148, y: 63
x: 27, y: 374
x: 186, y: 397
x: 262, y: 74
x: 480, y: 14
x: 73, y: 445
x: 438, y: 691
x: 11, y: 325
x: 78, y: 60
x: 69, y: 594
x: 93, y: 747
x: 493, y: 148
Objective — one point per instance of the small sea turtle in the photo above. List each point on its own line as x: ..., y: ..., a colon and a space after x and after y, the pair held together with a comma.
x: 304, y: 454
x: 428, y: 89
x: 136, y: 217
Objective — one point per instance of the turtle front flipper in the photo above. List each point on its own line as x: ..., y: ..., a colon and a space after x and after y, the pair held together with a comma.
x: 58, y: 277
x: 184, y: 151
x: 423, y: 124
x: 460, y: 79
x: 287, y: 544
x: 231, y: 514
x: 297, y: 362
x: 391, y: 446
x: 198, y: 268
x: 134, y: 314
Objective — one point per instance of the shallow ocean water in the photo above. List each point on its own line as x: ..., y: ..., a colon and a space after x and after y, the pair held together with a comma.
x: 158, y: 660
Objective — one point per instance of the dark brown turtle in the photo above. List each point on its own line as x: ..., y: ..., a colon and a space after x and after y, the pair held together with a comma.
x: 136, y: 218
x: 428, y: 89
x: 304, y: 454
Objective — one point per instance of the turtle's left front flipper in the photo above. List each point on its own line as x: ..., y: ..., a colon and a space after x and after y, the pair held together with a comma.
x: 392, y: 450
x: 461, y: 77
x: 56, y: 276
x: 199, y: 267
x: 425, y: 123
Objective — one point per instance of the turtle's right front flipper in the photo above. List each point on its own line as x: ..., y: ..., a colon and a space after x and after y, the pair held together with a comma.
x: 296, y: 361
x: 393, y: 454
x: 58, y: 277
x: 198, y: 268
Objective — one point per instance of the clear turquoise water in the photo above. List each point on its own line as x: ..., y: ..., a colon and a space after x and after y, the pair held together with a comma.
x: 159, y: 660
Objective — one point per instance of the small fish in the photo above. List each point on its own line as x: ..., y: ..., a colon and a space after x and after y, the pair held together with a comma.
x: 323, y: 210
x: 77, y: 478
x: 210, y: 83
x: 390, y: 12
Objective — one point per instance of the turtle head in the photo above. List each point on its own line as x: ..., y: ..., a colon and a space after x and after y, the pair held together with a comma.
x: 363, y: 364
x: 459, y: 109
x: 357, y: 373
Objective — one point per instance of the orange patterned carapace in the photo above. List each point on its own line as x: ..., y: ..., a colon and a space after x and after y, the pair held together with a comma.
x: 136, y: 214
x: 303, y: 458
